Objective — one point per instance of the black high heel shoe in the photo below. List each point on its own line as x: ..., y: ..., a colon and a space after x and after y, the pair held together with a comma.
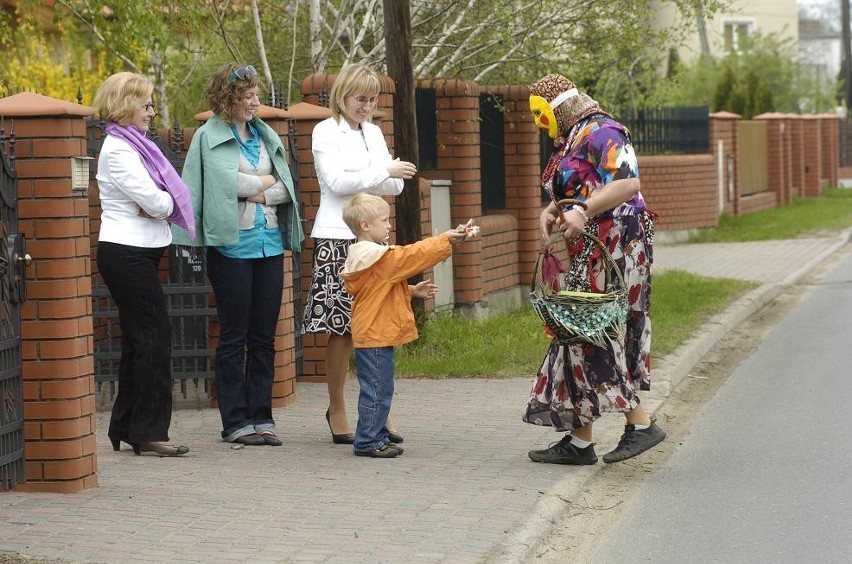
x: 342, y: 438
x: 116, y: 444
x: 160, y: 449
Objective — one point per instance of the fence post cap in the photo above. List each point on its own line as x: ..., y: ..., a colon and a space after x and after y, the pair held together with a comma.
x: 38, y: 105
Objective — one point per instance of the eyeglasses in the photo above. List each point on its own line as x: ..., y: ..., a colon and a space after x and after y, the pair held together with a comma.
x: 364, y: 100
x: 242, y: 73
x: 149, y: 107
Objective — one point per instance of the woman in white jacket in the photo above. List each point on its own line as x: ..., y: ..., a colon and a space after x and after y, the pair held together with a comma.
x: 140, y: 194
x: 350, y: 156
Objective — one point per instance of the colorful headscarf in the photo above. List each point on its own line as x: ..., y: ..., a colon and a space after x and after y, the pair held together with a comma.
x: 556, y: 104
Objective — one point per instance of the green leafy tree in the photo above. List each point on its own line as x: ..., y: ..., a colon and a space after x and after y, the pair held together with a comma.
x: 32, y: 65
x: 764, y: 75
x: 152, y: 37
x: 608, y: 49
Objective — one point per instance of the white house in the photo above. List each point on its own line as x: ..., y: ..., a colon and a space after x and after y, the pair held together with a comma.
x: 819, y: 48
x: 714, y: 35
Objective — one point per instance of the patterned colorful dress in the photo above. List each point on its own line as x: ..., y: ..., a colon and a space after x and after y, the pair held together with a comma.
x: 572, y: 379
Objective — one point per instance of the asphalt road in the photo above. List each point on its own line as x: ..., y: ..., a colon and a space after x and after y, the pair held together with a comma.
x: 764, y: 474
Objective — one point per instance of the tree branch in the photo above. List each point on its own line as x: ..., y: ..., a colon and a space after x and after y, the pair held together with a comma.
x: 99, y: 35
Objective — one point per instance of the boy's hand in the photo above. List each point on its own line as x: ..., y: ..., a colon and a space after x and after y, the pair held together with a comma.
x: 456, y: 237
x: 463, y: 231
x: 424, y: 290
x: 469, y: 229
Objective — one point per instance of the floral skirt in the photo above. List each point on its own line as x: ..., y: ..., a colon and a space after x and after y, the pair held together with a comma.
x: 572, y: 379
x: 329, y: 305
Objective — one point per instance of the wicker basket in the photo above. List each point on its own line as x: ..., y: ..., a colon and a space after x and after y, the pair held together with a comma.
x: 581, y: 317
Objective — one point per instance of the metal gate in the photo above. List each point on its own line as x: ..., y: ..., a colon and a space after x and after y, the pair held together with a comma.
x: 845, y: 133
x: 752, y: 159
x: 13, y: 263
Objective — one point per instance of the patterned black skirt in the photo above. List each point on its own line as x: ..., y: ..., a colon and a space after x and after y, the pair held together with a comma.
x: 329, y: 306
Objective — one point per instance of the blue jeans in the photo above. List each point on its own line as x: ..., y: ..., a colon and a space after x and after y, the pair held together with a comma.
x: 375, y: 368
x: 248, y: 299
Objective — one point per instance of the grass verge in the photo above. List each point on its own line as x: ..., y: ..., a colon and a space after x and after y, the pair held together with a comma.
x: 683, y: 301
x: 514, y: 344
x: 804, y: 217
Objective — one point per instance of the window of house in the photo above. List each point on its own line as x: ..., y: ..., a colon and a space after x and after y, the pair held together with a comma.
x: 735, y: 32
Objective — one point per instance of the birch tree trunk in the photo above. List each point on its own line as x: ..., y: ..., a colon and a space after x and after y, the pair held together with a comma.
x: 317, y: 61
x: 261, y: 48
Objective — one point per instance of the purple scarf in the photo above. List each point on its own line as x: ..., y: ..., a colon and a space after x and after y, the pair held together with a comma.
x: 162, y: 172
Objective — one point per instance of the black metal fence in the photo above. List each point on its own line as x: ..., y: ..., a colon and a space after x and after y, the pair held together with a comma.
x: 492, y: 150
x: 846, y: 142
x: 425, y: 110
x: 187, y: 291
x: 661, y: 131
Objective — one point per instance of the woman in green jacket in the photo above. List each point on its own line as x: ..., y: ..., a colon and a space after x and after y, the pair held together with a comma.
x: 246, y: 217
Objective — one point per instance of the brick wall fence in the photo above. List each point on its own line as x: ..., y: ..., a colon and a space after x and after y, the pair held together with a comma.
x: 688, y: 191
x: 56, y: 320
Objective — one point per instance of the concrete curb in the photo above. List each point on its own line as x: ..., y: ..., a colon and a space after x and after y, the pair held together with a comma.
x: 521, y: 543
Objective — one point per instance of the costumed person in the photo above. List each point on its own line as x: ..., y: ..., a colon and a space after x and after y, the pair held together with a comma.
x: 593, y: 161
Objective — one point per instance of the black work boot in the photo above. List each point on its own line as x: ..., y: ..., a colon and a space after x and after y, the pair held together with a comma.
x: 564, y: 452
x: 634, y: 442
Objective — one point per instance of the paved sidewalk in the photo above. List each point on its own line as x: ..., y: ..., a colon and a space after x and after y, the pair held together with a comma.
x: 463, y: 489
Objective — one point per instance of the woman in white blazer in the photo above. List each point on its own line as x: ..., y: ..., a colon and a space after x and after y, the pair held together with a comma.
x: 350, y: 156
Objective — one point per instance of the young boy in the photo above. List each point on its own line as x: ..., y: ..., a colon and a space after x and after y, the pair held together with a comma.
x: 376, y: 275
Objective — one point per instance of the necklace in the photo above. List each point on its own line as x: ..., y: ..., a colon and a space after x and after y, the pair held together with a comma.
x: 557, y: 155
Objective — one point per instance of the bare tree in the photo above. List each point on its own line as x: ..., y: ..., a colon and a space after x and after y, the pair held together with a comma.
x: 480, y: 38
x: 317, y: 57
x: 261, y: 48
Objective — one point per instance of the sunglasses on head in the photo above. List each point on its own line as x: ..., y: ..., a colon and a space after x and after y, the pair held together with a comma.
x: 242, y: 73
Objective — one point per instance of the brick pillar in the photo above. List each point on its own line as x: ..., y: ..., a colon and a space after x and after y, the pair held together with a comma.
x: 778, y: 167
x: 56, y: 321
x: 812, y: 149
x: 723, y: 126
x: 306, y: 116
x: 523, y: 174
x: 797, y: 155
x: 830, y: 131
x: 284, y: 385
x: 457, y: 103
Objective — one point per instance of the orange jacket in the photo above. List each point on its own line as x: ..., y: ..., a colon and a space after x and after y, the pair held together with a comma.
x: 377, y: 277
